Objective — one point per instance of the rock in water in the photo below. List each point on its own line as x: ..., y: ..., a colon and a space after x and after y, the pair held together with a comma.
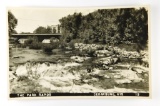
x: 102, y: 53
x: 21, y: 71
x: 107, y: 61
x: 122, y: 81
x: 79, y: 59
x: 115, y: 60
x: 131, y: 75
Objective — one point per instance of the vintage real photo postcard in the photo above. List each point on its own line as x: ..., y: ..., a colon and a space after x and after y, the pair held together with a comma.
x: 79, y: 52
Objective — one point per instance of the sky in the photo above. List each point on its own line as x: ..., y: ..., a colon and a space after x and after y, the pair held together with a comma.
x: 31, y: 18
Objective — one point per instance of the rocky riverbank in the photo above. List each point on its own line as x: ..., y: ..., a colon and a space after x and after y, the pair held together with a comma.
x: 98, y: 68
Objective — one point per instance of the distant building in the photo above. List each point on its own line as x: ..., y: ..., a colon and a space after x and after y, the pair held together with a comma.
x: 46, y: 41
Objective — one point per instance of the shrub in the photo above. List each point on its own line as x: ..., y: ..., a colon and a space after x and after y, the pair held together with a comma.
x: 35, y: 45
x: 21, y: 45
x: 28, y: 42
x: 63, y: 44
x: 54, y: 40
x: 91, y: 52
x: 68, y: 39
x: 31, y: 40
x: 86, y: 41
x: 55, y: 45
x: 22, y: 78
x: 71, y: 44
x: 47, y: 48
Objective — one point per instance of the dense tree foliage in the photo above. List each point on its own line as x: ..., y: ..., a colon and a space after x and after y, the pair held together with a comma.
x: 43, y: 30
x: 71, y: 26
x: 111, y: 26
x: 12, y: 22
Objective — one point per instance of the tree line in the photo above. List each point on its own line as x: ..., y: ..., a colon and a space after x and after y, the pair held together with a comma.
x: 48, y: 30
x: 107, y: 26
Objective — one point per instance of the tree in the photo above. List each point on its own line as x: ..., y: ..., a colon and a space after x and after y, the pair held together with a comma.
x: 141, y: 29
x: 111, y: 26
x: 12, y: 23
x: 54, y: 30
x: 59, y: 28
x: 43, y: 30
x: 71, y: 25
x: 48, y: 30
x: 40, y: 30
x: 54, y: 40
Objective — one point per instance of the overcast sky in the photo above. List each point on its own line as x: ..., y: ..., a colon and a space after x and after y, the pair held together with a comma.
x: 30, y: 18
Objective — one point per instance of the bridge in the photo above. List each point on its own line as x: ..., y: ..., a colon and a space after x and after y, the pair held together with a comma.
x: 40, y: 37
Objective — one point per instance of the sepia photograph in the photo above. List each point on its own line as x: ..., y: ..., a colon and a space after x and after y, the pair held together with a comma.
x: 79, y: 52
